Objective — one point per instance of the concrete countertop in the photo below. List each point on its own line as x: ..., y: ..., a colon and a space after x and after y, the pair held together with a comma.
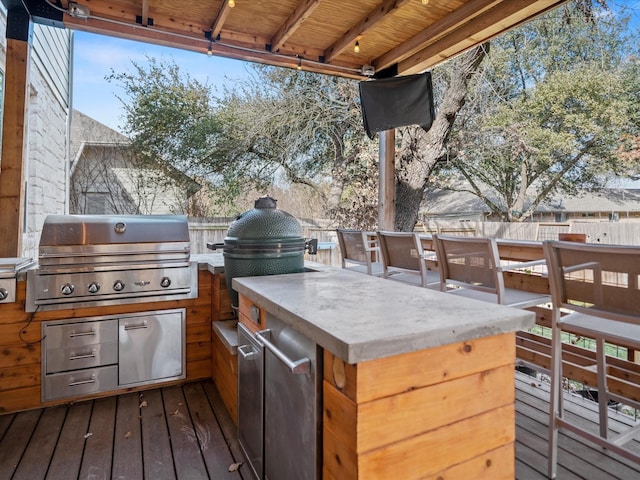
x: 359, y: 317
x: 214, y: 262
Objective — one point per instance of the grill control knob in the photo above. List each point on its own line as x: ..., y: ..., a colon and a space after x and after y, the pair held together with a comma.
x: 118, y: 285
x: 67, y: 289
x: 93, y: 287
x: 3, y: 294
x: 165, y: 282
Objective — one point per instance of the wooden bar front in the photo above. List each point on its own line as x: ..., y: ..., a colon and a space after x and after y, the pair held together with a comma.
x: 442, y: 413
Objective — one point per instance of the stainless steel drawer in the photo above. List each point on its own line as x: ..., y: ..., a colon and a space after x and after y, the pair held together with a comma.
x: 73, y: 384
x: 81, y: 333
x: 83, y: 356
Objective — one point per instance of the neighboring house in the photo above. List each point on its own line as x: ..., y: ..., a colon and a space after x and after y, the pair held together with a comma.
x: 46, y: 173
x: 106, y: 177
x: 611, y: 204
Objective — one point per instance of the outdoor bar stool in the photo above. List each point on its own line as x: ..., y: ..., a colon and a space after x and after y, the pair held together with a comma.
x: 471, y: 265
x: 599, y: 286
x: 403, y: 259
x: 359, y: 251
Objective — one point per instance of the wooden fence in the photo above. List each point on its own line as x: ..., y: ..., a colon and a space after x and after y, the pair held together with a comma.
x: 621, y: 233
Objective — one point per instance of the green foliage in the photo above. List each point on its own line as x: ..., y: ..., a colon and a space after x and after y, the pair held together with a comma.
x: 285, y: 126
x: 169, y: 118
x: 556, y: 107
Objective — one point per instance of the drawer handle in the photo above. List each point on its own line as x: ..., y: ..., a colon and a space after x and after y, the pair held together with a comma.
x: 247, y: 355
x: 83, y: 382
x: 80, y: 357
x: 297, y: 367
x: 136, y: 327
x: 91, y: 332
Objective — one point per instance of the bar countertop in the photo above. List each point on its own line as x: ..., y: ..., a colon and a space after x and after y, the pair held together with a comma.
x: 359, y: 317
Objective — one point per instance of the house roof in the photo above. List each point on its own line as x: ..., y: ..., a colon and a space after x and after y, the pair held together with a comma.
x: 449, y: 202
x: 88, y: 131
x: 403, y: 36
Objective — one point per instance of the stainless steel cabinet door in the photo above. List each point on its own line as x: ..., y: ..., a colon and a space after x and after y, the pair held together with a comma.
x: 151, y: 347
x: 291, y: 406
x: 250, y: 398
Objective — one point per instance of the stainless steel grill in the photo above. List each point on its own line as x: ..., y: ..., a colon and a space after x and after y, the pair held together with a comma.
x: 9, y: 268
x: 92, y: 260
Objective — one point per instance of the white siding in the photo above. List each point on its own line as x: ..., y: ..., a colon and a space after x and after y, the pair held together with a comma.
x: 48, y: 145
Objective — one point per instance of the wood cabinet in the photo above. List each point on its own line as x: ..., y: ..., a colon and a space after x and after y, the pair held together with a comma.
x: 446, y: 412
x: 20, y: 340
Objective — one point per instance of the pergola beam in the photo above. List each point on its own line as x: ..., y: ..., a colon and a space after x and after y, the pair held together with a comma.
x: 218, y: 23
x: 434, y: 32
x: 14, y: 132
x: 366, y: 23
x: 489, y: 24
x: 300, y: 14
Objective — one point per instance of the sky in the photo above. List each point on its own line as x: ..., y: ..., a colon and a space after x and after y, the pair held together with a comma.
x: 96, y: 56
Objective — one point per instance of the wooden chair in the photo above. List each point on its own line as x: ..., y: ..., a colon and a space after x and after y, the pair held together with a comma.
x: 403, y: 259
x: 359, y: 252
x: 599, y: 285
x: 472, y: 265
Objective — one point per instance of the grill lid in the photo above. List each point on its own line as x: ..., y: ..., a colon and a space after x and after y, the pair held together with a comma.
x: 61, y: 230
x: 85, y: 241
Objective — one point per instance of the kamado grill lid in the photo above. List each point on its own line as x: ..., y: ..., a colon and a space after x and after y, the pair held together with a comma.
x: 265, y: 226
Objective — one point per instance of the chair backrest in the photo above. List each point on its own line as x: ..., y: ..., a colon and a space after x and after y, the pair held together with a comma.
x: 402, y: 252
x: 356, y: 248
x: 599, y: 280
x: 469, y: 262
x: 352, y: 246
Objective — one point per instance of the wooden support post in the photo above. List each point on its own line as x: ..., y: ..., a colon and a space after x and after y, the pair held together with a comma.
x: 14, y: 134
x: 387, y: 180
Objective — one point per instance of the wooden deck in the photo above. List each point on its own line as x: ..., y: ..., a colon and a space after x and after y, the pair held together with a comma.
x: 186, y: 433
x: 169, y: 433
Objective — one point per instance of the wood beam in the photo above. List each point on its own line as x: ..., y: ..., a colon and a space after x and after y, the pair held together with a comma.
x: 14, y: 141
x: 145, y: 13
x: 355, y: 32
x: 300, y: 14
x: 488, y: 25
x: 218, y: 23
x: 387, y: 180
x: 433, y: 32
x: 200, y: 44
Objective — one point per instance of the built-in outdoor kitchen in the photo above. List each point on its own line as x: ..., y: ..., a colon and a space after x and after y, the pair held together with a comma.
x: 326, y: 373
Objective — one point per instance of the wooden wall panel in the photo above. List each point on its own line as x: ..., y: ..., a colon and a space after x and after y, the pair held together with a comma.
x: 428, y: 367
x: 225, y: 376
x: 417, y: 457
x: 391, y: 419
x: 20, y: 362
x: 446, y: 412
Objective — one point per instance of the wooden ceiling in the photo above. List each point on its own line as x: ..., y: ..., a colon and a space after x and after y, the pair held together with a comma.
x: 317, y: 35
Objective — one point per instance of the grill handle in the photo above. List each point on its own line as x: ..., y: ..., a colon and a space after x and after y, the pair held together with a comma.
x: 214, y: 246
x: 136, y: 326
x: 311, y: 246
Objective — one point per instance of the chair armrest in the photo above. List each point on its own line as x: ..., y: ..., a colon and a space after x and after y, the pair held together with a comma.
x: 517, y: 266
x: 582, y: 266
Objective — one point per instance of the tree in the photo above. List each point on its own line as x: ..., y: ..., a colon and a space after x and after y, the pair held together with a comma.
x: 284, y: 126
x: 420, y: 152
x: 555, y: 106
x: 308, y: 127
x: 171, y: 122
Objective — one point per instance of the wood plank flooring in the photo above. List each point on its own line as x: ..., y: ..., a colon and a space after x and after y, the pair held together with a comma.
x: 173, y: 433
x: 185, y: 433
x: 577, y: 458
